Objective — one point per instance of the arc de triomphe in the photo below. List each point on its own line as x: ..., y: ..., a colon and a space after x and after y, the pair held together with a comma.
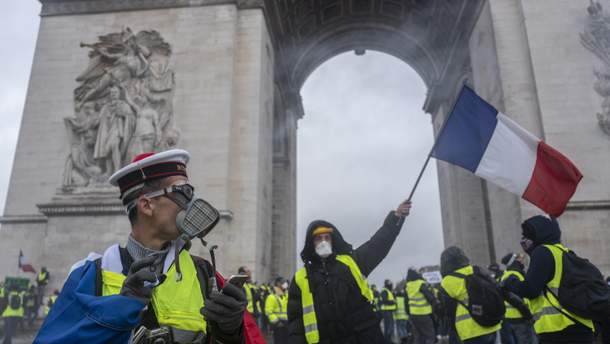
x: 221, y: 78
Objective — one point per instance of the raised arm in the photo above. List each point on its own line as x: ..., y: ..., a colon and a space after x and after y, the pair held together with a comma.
x: 372, y: 252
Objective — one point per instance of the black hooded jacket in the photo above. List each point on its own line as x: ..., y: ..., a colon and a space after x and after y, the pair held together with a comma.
x: 544, y: 231
x: 343, y: 314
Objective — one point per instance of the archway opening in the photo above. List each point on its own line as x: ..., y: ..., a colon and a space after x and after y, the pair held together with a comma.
x: 361, y: 144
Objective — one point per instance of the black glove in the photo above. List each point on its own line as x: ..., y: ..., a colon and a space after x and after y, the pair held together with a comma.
x: 226, y: 309
x: 140, y: 272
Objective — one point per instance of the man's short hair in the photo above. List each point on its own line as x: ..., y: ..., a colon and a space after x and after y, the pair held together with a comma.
x: 149, y: 186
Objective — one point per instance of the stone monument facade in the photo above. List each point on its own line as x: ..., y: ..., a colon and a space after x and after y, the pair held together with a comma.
x: 221, y: 78
x: 123, y: 106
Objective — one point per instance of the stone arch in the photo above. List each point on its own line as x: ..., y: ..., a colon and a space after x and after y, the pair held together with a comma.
x: 431, y: 36
x: 354, y: 38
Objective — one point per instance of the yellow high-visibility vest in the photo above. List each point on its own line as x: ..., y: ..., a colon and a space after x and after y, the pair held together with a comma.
x: 248, y: 287
x: 47, y: 308
x: 275, y: 307
x: 42, y: 275
x: 13, y: 312
x: 310, y: 321
x: 547, y: 313
x: 418, y: 305
x: 465, y: 325
x: 400, y: 313
x: 177, y: 304
x: 390, y: 298
x: 512, y: 312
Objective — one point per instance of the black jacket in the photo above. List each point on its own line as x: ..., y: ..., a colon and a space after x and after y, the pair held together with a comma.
x: 343, y: 315
x: 541, y: 231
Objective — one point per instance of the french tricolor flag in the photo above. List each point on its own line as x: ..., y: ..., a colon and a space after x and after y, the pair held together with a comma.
x: 492, y: 146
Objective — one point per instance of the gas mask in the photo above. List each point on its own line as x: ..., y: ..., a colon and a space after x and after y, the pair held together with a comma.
x: 526, y: 244
x: 324, y: 249
x: 197, y: 217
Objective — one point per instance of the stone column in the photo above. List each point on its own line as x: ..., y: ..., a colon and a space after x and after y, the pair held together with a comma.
x: 502, y: 75
x: 284, y: 186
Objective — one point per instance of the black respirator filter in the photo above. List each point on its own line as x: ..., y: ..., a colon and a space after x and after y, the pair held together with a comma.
x: 198, y: 219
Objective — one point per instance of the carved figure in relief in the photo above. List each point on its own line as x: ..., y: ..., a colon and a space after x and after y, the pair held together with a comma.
x: 127, y: 60
x: 123, y: 106
x: 81, y: 168
x: 117, y: 121
x: 147, y: 134
x: 596, y: 38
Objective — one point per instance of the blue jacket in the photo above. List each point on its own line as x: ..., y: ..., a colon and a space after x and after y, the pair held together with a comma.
x: 79, y: 316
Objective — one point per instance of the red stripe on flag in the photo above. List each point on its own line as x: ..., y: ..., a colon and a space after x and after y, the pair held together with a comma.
x: 28, y: 268
x: 553, y: 182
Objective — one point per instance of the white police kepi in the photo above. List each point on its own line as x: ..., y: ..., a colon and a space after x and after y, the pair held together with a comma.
x: 149, y: 166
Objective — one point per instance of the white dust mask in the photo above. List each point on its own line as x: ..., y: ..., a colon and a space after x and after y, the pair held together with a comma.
x: 324, y: 249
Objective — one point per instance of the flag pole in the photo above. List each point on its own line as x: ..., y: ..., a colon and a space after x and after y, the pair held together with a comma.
x: 440, y: 132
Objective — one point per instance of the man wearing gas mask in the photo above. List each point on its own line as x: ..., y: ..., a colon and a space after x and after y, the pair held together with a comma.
x: 329, y: 299
x: 152, y: 289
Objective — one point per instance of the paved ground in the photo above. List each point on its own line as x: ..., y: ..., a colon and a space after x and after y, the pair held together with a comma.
x: 25, y: 336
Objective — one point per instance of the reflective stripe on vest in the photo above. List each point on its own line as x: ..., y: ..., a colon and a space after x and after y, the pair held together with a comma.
x: 13, y: 312
x: 512, y: 312
x: 465, y: 325
x: 418, y: 305
x: 390, y: 297
x: 400, y: 313
x: 548, y: 318
x: 176, y: 304
x: 310, y: 322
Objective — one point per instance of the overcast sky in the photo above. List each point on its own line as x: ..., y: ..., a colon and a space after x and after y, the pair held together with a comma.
x: 361, y: 143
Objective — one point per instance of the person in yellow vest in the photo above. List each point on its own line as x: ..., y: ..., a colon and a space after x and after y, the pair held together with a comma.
x: 387, y: 305
x: 251, y: 292
x: 264, y: 291
x: 329, y: 298
x: 420, y: 298
x: 42, y: 280
x: 51, y: 302
x: 517, y: 325
x: 13, y: 313
x: 3, y: 300
x: 276, y: 306
x: 541, y: 239
x: 468, y: 331
x: 152, y: 286
x: 401, y: 315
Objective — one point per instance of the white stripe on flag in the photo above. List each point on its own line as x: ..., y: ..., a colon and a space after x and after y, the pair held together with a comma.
x: 510, y: 157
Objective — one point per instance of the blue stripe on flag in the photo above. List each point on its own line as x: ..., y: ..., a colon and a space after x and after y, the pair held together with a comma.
x: 467, y: 132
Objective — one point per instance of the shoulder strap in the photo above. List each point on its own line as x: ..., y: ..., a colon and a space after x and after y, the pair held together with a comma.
x: 546, y: 288
x: 459, y: 275
x: 126, y: 260
x: 98, y: 277
x: 203, y: 275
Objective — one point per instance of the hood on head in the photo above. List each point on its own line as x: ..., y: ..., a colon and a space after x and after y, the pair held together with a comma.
x: 541, y: 230
x: 413, y: 275
x: 340, y: 246
x: 453, y: 258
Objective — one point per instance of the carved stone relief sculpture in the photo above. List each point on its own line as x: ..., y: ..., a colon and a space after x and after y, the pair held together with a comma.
x: 596, y: 38
x: 123, y: 106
